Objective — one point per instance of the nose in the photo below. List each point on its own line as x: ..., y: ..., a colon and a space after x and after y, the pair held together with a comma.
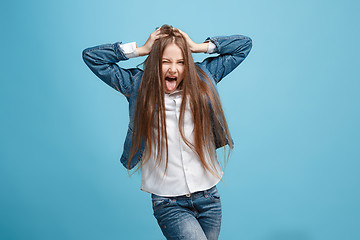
x: 172, y: 68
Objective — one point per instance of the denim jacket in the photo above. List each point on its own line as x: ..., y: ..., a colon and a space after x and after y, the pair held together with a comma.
x: 102, y: 60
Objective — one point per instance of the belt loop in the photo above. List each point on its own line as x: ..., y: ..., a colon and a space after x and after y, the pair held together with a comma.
x: 206, y: 193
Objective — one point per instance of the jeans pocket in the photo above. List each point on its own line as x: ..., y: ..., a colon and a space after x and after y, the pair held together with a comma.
x: 158, y: 203
x: 214, y: 195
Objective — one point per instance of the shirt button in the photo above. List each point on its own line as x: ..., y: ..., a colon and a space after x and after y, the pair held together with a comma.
x: 186, y: 168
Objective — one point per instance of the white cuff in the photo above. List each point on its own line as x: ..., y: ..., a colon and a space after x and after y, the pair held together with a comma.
x: 211, y: 47
x: 129, y: 49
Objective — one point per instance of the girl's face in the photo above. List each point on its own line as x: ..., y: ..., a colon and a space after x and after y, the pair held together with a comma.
x: 172, y: 67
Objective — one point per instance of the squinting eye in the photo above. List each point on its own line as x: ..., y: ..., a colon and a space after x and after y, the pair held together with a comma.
x: 181, y: 62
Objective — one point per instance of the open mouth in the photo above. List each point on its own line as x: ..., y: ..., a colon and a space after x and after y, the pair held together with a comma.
x: 170, y: 82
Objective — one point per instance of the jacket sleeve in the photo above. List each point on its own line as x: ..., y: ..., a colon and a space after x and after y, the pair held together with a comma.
x: 232, y: 51
x: 102, y: 60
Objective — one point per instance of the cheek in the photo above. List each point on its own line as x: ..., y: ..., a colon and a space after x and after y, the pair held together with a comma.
x: 181, y: 70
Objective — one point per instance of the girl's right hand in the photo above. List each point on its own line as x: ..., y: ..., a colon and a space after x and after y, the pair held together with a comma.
x: 146, y: 48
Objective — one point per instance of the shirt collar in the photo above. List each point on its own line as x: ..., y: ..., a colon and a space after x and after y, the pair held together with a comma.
x: 176, y: 92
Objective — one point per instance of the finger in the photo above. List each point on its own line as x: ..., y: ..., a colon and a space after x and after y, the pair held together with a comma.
x: 183, y: 33
x: 161, y: 35
x: 157, y: 31
x: 179, y: 31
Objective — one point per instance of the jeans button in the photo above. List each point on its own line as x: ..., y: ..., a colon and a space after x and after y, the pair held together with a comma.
x: 188, y: 195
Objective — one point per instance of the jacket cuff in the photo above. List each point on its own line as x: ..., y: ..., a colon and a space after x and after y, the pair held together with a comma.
x: 129, y: 49
x: 211, y: 47
x: 215, y: 42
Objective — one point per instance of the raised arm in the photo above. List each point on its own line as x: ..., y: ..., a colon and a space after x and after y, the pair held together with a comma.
x: 102, y: 60
x: 232, y: 51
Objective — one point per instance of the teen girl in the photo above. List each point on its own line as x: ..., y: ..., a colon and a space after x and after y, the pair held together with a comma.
x: 176, y: 122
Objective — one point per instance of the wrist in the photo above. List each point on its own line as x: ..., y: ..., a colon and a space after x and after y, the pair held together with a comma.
x: 200, y: 47
x: 142, y: 51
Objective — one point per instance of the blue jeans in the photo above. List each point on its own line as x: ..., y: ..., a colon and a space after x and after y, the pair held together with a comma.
x: 197, y: 216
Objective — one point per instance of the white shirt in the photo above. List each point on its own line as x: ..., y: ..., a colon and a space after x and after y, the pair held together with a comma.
x: 185, y: 173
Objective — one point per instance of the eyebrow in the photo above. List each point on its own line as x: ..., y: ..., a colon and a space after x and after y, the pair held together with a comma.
x: 181, y: 59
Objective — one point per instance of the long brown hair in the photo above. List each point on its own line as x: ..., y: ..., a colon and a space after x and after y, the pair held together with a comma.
x: 205, y: 105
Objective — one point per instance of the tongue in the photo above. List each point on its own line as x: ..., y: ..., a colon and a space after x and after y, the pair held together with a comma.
x: 170, y: 85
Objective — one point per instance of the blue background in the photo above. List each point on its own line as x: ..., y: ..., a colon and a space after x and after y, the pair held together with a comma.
x: 292, y: 106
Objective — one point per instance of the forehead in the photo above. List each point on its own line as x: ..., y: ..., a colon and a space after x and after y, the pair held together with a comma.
x: 172, y: 51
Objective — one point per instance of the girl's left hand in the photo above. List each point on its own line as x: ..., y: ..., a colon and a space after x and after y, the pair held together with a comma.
x: 194, y: 47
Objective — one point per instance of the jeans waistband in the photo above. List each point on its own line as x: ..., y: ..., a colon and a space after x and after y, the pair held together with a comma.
x: 190, y: 195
